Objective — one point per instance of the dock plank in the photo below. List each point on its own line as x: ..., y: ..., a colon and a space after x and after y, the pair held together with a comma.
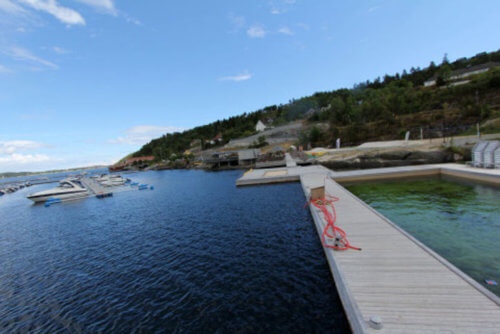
x: 388, y: 260
x: 395, y: 276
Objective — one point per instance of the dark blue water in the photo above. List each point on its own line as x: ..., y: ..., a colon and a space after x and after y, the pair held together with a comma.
x: 194, y: 255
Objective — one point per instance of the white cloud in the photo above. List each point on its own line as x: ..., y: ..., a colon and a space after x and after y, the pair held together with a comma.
x: 17, y: 158
x: 13, y: 146
x: 103, y: 5
x: 142, y: 134
x: 59, y: 50
x: 4, y: 69
x: 239, y: 77
x: 14, y: 158
x: 63, y: 14
x: 285, y: 31
x: 21, y: 54
x: 10, y: 7
x: 256, y: 31
x: 131, y: 19
x: 275, y: 11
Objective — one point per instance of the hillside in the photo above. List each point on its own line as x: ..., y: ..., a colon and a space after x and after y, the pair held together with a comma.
x: 382, y: 109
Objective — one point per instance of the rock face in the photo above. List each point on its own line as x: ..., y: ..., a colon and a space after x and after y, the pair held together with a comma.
x: 390, y: 159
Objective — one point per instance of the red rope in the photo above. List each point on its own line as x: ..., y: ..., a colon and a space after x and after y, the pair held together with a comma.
x: 331, y: 230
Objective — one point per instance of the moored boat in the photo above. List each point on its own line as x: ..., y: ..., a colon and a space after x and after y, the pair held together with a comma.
x: 67, y: 189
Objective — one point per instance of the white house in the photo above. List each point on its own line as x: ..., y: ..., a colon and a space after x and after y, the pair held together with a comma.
x: 260, y: 126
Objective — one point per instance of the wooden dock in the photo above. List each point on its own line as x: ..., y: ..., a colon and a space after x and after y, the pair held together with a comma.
x: 287, y: 174
x: 395, y: 277
x: 94, y: 187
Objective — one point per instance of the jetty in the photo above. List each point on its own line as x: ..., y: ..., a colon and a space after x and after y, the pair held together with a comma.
x: 95, y: 188
x: 395, y: 284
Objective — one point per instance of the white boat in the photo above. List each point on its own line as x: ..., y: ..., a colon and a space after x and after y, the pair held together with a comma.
x: 67, y: 189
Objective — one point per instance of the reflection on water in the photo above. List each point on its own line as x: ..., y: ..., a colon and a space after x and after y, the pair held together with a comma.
x: 196, y: 254
x: 457, y: 219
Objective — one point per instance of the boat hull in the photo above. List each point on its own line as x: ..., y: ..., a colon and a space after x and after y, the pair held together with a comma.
x: 67, y: 196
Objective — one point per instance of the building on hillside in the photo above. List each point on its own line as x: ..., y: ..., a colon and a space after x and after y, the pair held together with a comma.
x: 248, y: 157
x: 217, y: 139
x: 260, y: 126
x: 245, y: 158
x: 464, y: 73
x: 220, y: 159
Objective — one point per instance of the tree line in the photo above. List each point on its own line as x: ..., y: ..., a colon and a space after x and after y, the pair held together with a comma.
x: 387, y: 102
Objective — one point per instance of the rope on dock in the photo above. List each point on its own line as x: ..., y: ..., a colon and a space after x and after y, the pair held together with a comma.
x: 338, y: 235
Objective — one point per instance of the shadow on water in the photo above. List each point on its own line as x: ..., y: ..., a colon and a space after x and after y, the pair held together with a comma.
x: 196, y: 254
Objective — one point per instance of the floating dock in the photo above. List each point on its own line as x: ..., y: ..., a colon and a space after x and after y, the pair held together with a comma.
x: 95, y: 188
x: 395, y: 278
x: 289, y: 174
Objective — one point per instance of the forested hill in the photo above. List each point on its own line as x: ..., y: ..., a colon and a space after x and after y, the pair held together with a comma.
x: 378, y: 109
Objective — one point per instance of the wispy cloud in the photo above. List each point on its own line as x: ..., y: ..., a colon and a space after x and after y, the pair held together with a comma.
x: 64, y: 14
x: 35, y: 116
x: 238, y: 22
x: 22, y: 54
x: 60, y: 50
x: 107, y: 6
x: 10, y: 7
x: 372, y: 9
x: 131, y: 19
x: 15, y: 146
x: 256, y: 31
x: 18, y: 158
x: 280, y: 6
x: 239, y: 77
x: 303, y: 26
x: 4, y: 69
x: 142, y: 134
x: 13, y: 155
x: 285, y: 31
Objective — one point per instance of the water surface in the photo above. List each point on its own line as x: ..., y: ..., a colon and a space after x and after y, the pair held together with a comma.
x: 459, y: 220
x: 194, y: 255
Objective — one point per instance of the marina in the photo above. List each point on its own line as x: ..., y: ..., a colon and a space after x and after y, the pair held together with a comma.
x: 153, y: 261
x: 395, y: 284
x: 74, y: 188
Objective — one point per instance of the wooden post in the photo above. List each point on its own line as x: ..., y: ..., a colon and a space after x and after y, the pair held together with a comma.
x: 317, y: 193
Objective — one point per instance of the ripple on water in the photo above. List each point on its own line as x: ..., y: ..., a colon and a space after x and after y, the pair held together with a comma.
x: 196, y: 254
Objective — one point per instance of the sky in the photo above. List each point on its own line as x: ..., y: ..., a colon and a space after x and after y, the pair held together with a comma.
x: 85, y: 82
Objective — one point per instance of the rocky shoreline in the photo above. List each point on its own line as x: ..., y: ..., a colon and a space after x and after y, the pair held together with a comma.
x: 393, y: 159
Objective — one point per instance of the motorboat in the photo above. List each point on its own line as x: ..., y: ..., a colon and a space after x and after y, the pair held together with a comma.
x: 67, y: 189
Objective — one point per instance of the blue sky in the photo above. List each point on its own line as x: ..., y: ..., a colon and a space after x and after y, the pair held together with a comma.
x: 85, y: 82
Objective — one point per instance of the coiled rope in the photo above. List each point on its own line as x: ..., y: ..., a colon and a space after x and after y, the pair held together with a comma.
x: 331, y: 231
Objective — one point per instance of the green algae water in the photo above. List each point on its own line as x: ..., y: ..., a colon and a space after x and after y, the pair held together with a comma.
x: 457, y: 219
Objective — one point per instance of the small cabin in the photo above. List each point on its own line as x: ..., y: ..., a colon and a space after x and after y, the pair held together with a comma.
x: 489, y: 154
x: 477, y: 153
